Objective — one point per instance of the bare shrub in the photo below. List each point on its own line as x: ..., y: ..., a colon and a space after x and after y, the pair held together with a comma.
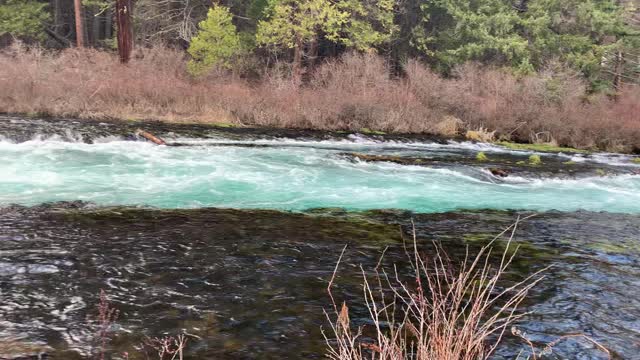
x: 438, y: 313
x: 481, y: 134
x: 448, y: 126
x: 352, y: 92
x: 107, y: 316
x: 166, y: 348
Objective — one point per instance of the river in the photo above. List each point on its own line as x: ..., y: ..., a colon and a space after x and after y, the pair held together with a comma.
x: 231, y: 234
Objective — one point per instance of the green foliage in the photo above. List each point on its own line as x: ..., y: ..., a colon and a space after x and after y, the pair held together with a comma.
x: 581, y: 33
x: 369, y: 23
x: 540, y: 147
x: 368, y: 131
x: 257, y: 9
x: 216, y: 44
x: 636, y: 160
x: 477, y: 30
x: 535, y: 160
x: 363, y: 25
x: 290, y: 23
x: 524, y: 35
x: 23, y: 18
x: 482, y: 157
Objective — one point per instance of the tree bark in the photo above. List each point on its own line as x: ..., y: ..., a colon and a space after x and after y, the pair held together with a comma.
x: 56, y: 37
x: 617, y: 73
x: 125, y: 31
x: 150, y: 137
x: 79, y: 23
x: 57, y: 16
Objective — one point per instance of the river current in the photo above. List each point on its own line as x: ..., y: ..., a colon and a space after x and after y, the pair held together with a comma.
x: 231, y: 236
x: 288, y: 174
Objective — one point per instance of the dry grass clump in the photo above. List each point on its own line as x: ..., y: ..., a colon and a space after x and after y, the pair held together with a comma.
x: 92, y: 84
x: 481, y: 134
x: 438, y: 312
x: 449, y: 126
x: 352, y: 92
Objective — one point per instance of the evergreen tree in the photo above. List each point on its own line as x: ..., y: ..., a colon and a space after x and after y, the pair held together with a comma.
x: 479, y: 30
x: 586, y: 34
x: 23, y: 18
x: 370, y: 23
x: 297, y: 25
x: 217, y: 42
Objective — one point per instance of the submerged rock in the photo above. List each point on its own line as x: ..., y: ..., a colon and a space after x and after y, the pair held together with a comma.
x: 387, y: 158
x: 504, y: 164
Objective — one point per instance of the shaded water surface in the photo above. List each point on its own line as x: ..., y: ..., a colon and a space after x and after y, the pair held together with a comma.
x: 251, y: 284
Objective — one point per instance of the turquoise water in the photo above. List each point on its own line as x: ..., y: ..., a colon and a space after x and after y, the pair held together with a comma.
x: 294, y: 175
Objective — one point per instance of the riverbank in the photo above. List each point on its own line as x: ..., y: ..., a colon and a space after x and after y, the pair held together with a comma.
x: 352, y: 94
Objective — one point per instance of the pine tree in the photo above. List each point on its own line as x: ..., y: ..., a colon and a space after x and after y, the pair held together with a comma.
x: 479, y: 30
x: 216, y: 44
x: 297, y: 25
x: 23, y: 18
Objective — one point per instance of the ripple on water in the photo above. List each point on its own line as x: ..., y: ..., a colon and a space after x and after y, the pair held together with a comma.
x: 242, y: 281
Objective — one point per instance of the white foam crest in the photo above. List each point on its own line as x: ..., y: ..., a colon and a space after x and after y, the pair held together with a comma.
x: 618, y: 183
x: 615, y: 159
x: 68, y: 137
x: 134, y: 173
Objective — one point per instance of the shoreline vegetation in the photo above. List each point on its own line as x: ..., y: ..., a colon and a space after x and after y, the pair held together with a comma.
x: 548, y: 111
x: 442, y: 309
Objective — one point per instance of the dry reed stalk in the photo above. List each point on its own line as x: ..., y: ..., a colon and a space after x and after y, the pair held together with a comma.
x: 440, y: 315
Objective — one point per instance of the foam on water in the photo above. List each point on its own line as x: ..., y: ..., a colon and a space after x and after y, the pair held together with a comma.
x: 291, y: 175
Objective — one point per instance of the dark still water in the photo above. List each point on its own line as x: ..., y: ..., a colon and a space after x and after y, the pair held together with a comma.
x: 250, y: 284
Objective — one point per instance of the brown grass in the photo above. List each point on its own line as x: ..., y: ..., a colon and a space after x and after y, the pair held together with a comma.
x: 438, y: 313
x: 349, y: 93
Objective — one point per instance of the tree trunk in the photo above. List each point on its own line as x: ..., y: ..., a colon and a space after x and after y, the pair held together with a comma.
x: 313, y: 55
x: 96, y: 29
x: 57, y: 16
x: 79, y: 23
x: 108, y: 24
x: 297, y: 60
x: 617, y: 73
x: 125, y: 31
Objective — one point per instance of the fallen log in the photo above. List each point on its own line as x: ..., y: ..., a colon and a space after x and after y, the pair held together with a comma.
x: 150, y: 137
x: 499, y: 172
